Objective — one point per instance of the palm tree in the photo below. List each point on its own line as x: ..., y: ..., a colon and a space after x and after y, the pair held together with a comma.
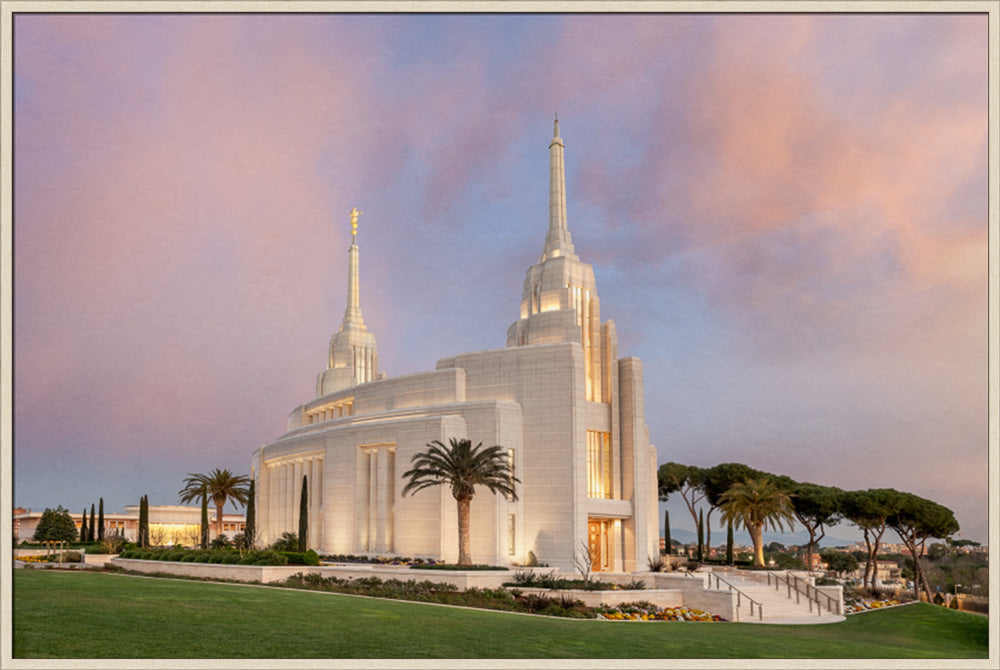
x: 462, y: 467
x: 757, y: 504
x: 220, y: 486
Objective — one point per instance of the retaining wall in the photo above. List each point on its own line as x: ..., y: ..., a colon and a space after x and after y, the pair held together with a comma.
x: 697, y: 595
x: 241, y: 573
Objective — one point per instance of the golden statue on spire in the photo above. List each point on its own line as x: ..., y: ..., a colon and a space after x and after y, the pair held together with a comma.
x: 354, y: 221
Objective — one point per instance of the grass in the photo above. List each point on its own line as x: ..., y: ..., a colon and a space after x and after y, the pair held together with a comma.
x: 99, y: 615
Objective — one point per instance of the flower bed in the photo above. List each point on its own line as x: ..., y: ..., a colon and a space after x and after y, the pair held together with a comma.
x: 646, y: 611
x: 856, y: 604
x: 68, y: 557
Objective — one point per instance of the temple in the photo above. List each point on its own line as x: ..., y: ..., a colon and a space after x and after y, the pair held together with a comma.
x: 557, y: 397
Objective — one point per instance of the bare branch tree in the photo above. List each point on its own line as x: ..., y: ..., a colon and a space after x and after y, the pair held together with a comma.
x: 583, y: 559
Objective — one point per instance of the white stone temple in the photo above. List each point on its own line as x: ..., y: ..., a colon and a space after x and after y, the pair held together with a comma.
x: 568, y: 410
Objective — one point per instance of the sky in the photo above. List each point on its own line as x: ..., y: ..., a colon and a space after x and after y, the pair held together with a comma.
x: 787, y: 217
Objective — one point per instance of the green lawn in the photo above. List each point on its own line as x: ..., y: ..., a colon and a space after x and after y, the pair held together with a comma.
x: 97, y: 615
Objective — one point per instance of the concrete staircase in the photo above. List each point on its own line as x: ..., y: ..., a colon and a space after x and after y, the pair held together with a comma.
x: 779, y: 603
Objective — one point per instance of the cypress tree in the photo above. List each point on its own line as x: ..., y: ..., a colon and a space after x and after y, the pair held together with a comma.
x: 92, y: 528
x: 250, y: 531
x: 100, y: 521
x: 204, y: 520
x: 701, y: 535
x: 143, y: 522
x: 83, y: 526
x: 303, y: 514
x: 668, y: 544
x: 729, y: 543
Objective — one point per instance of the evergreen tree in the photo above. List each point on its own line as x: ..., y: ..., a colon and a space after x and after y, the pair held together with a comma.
x: 303, y: 514
x: 83, y: 526
x: 667, y: 542
x: 204, y: 521
x: 701, y: 535
x: 100, y: 521
x: 729, y: 542
x: 56, y: 524
x: 250, y: 532
x: 92, y: 528
x: 144, y: 522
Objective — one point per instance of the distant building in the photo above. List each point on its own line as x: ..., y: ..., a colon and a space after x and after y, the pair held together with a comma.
x: 168, y: 524
x: 17, y: 522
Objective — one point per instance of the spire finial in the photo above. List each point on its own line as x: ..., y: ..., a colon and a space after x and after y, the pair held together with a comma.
x: 555, y: 131
x: 354, y: 221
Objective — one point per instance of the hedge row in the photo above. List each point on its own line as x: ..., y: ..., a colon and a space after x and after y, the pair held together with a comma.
x: 225, y: 556
x: 309, y: 557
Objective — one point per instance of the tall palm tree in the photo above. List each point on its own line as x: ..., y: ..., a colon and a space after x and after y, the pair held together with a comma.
x: 220, y: 486
x: 462, y: 467
x: 757, y: 504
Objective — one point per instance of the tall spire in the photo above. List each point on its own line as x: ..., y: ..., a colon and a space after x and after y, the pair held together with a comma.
x: 353, y: 356
x: 352, y: 315
x: 557, y: 241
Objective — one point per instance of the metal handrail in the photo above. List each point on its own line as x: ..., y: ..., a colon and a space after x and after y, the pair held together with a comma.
x: 739, y: 595
x: 831, y: 605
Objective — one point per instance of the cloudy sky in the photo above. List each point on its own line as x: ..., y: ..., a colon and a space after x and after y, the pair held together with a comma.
x: 786, y: 214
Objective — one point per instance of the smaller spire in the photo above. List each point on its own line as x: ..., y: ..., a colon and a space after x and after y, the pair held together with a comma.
x: 555, y: 131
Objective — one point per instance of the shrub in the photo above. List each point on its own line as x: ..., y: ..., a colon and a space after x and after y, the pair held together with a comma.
x: 73, y: 557
x: 309, y: 557
x: 536, y: 602
x: 287, y: 542
x: 220, y: 542
x: 263, y: 557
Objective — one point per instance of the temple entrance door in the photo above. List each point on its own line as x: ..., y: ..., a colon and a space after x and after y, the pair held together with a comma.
x: 594, y: 542
x: 600, y: 541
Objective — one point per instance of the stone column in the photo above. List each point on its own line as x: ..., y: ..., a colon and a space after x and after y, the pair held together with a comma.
x: 372, y: 499
x: 263, y: 501
x: 297, y: 471
x: 381, y: 512
x: 315, y: 486
x: 289, y: 497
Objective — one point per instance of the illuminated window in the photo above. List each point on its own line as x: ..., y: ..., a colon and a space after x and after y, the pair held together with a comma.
x: 579, y: 301
x: 599, y: 467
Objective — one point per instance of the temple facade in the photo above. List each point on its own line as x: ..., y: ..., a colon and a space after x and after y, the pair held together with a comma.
x: 557, y: 397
